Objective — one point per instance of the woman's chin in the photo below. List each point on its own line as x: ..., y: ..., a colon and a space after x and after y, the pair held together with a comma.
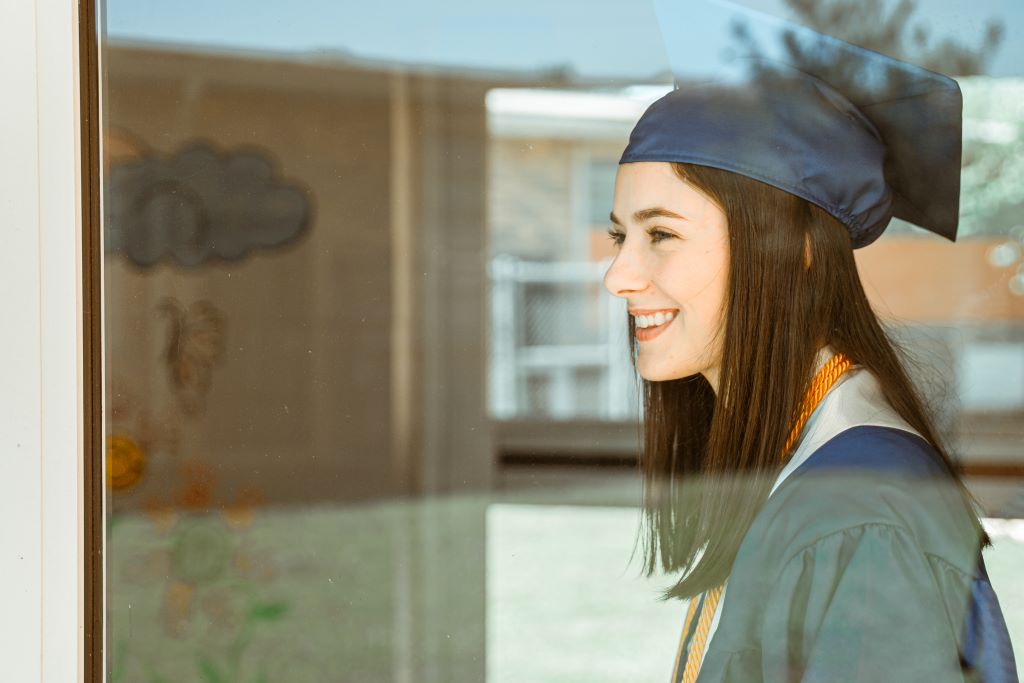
x: 655, y: 373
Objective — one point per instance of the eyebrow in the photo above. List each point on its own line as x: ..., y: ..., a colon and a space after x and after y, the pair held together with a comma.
x: 647, y: 214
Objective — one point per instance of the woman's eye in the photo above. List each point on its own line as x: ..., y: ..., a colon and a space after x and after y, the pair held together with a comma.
x: 656, y: 236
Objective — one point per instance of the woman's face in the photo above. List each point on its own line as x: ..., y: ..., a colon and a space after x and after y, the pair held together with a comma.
x: 673, y: 255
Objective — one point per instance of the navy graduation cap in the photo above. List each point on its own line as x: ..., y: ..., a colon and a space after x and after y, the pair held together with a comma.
x: 862, y: 135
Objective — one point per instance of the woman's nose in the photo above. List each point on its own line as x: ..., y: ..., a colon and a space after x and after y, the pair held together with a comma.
x: 624, y: 276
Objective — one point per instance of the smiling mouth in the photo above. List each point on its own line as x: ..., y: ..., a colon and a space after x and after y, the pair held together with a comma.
x: 648, y: 321
x: 654, y: 328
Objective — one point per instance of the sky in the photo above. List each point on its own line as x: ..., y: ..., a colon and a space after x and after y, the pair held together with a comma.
x: 596, y: 38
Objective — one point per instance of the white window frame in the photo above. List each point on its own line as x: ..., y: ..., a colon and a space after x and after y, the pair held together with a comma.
x: 41, y: 426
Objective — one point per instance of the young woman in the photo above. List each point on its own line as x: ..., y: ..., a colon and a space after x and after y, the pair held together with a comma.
x: 791, y: 469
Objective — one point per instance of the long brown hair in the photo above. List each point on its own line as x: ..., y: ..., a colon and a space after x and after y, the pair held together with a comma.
x: 708, y: 461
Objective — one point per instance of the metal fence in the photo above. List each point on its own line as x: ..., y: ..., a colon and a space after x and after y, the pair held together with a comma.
x: 558, y: 344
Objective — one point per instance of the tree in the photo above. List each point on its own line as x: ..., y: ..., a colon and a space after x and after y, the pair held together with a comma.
x: 868, y: 24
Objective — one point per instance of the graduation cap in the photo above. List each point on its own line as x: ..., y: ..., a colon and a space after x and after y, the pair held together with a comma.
x: 860, y: 134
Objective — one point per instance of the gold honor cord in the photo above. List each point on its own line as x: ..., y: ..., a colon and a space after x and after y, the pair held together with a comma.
x: 823, y: 381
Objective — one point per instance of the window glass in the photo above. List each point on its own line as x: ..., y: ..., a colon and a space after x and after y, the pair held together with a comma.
x: 370, y: 410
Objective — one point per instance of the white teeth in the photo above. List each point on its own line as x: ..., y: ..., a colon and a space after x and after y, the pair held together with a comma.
x: 644, y: 321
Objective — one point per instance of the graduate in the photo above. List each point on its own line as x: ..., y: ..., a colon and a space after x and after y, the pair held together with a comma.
x: 792, y: 471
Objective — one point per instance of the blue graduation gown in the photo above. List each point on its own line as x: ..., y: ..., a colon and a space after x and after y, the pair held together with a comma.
x: 861, y: 566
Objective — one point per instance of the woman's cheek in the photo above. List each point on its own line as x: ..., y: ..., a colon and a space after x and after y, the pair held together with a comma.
x: 693, y: 280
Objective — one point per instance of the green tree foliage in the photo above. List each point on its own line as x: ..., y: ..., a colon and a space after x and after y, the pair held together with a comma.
x: 888, y: 28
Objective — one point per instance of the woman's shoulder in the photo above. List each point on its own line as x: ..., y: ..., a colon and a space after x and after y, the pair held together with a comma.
x: 875, y: 494
x: 859, y: 461
x: 875, y: 450
x: 872, y: 475
x: 856, y: 400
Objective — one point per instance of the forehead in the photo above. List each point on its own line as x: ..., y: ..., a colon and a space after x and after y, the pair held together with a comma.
x: 644, y: 184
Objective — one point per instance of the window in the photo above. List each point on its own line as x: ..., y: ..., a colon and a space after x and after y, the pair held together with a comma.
x: 369, y: 410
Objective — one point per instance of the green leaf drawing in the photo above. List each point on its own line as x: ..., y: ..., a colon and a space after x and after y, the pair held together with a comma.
x: 267, y: 611
x: 209, y: 671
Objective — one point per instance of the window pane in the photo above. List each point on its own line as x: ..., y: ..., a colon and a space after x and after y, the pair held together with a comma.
x: 371, y: 411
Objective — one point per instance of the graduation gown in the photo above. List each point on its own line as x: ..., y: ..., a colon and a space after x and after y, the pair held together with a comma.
x: 862, y: 565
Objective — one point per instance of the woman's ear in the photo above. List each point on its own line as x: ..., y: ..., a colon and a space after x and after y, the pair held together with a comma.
x: 807, y: 252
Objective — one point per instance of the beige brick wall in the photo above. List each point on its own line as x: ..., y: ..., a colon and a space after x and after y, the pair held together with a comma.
x: 530, y: 201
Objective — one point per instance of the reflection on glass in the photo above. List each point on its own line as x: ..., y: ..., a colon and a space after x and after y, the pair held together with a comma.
x: 371, y: 414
